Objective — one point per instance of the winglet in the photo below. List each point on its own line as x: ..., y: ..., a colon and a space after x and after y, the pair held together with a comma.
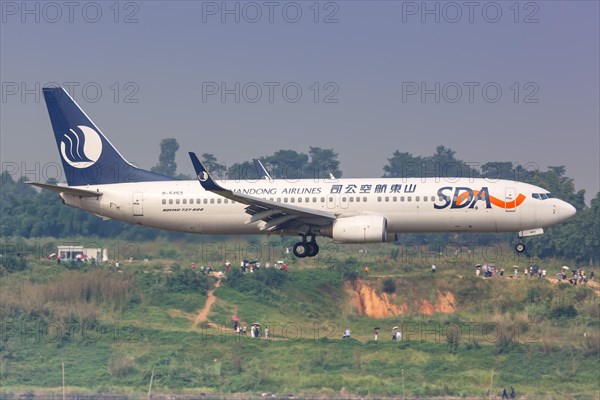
x: 203, y: 176
x: 262, y: 171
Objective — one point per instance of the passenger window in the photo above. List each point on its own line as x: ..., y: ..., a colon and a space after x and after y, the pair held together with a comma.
x: 285, y: 199
x: 212, y: 201
x: 387, y: 199
x: 177, y: 201
x: 184, y: 201
x: 226, y: 201
x: 365, y: 199
x: 197, y: 201
x: 322, y: 199
x: 164, y: 201
x: 205, y: 201
x: 417, y: 198
x: 394, y: 199
x: 409, y: 198
x: 425, y: 198
x: 351, y: 199
x: 170, y: 201
x: 299, y: 199
x: 402, y: 198
x: 358, y: 199
x: 292, y: 199
x: 379, y: 199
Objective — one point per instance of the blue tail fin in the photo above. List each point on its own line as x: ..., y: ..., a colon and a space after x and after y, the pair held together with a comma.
x: 88, y: 158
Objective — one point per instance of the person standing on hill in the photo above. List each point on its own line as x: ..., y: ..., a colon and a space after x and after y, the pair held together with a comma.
x: 433, y: 269
x: 367, y: 271
x: 504, y: 393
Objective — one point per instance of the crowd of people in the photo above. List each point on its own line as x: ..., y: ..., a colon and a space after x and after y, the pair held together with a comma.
x: 396, y: 334
x: 578, y: 276
x: 241, y: 329
x: 245, y: 266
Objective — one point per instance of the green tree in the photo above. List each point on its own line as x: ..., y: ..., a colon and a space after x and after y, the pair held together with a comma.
x: 245, y: 171
x: 166, y: 161
x: 499, y: 170
x: 403, y: 165
x: 286, y: 164
x: 443, y: 163
x: 322, y: 163
x: 213, y: 166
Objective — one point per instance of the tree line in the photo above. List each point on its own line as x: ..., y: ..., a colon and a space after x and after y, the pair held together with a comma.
x: 27, y: 213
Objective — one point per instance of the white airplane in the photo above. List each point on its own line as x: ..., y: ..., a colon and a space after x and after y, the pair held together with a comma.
x: 101, y: 181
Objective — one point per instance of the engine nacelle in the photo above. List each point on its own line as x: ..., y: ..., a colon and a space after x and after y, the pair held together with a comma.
x: 360, y: 229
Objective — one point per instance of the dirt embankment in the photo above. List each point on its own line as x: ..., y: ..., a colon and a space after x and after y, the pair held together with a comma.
x: 367, y: 302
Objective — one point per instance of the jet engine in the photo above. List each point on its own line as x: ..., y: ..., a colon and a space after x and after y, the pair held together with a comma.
x: 360, y: 229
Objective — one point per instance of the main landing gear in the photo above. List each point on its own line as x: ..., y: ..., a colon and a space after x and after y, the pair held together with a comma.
x: 305, y: 248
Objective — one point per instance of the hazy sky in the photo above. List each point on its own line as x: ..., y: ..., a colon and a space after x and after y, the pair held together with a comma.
x: 494, y: 81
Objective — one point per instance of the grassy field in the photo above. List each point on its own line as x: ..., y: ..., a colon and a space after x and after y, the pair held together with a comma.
x: 116, y: 330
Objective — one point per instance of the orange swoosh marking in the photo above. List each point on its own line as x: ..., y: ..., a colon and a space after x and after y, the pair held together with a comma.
x: 494, y: 200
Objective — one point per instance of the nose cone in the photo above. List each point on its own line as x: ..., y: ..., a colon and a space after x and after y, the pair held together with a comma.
x: 567, y: 210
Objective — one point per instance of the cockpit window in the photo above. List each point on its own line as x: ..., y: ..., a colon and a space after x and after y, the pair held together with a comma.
x: 542, y: 196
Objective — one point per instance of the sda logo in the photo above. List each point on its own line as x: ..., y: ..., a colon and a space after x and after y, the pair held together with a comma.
x: 81, y: 148
x: 463, y: 197
x: 467, y: 197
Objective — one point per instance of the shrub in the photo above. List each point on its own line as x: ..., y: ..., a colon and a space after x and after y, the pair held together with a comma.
x: 187, y: 280
x: 389, y: 286
x: 563, y: 311
x: 11, y: 263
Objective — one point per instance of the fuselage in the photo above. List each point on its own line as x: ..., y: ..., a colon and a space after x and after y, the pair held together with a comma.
x: 408, y: 204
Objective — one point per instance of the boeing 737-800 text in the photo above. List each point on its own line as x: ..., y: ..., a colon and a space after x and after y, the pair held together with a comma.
x: 101, y: 181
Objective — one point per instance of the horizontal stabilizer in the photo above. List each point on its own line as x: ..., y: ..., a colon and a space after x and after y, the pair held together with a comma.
x: 68, y: 190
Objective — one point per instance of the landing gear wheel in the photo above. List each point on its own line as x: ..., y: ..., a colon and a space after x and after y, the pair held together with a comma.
x: 301, y: 249
x: 313, y: 249
x: 520, y: 247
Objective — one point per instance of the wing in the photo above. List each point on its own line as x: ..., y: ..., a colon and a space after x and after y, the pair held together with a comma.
x: 275, y: 215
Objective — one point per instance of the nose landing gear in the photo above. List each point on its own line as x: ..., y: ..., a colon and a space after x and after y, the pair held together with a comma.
x: 305, y: 248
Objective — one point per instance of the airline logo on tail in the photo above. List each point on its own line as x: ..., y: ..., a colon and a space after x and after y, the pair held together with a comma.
x: 81, y: 147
